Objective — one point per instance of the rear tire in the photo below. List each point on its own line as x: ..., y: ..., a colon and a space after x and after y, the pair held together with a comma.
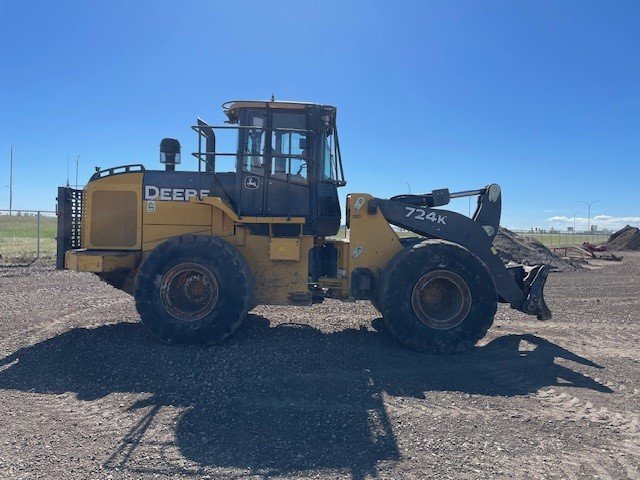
x: 437, y: 297
x: 193, y: 289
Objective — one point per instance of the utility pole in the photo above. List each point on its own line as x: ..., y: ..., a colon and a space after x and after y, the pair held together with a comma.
x: 77, y: 162
x: 11, y: 180
x: 588, y: 204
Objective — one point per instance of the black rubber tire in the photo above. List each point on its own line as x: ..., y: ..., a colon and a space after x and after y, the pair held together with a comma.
x: 401, y: 275
x: 234, y: 281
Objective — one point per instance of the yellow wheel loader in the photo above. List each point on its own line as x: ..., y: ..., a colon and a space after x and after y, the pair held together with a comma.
x: 257, y: 224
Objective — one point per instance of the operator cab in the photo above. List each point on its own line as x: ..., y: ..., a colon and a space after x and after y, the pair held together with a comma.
x: 287, y: 162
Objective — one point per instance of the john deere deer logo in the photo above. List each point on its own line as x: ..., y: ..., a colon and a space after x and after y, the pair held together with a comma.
x: 251, y: 183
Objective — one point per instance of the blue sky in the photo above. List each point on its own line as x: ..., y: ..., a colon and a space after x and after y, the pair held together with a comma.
x: 542, y: 97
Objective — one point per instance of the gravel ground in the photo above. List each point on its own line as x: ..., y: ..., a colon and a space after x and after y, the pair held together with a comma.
x: 317, y: 392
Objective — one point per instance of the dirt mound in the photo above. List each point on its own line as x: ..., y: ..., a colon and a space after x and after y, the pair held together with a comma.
x: 627, y: 238
x: 513, y: 247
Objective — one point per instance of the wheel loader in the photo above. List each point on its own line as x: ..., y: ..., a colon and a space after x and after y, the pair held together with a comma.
x: 257, y: 222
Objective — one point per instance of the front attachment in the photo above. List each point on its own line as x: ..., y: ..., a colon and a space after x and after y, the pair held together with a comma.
x: 531, y: 279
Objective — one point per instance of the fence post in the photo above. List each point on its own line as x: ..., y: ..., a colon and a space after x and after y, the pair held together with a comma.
x: 38, y: 234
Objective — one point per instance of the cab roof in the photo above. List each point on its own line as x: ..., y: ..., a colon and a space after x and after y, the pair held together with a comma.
x: 231, y: 107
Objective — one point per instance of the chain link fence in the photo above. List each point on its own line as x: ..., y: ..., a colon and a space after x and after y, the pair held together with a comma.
x: 566, y: 238
x: 550, y: 238
x: 27, y: 235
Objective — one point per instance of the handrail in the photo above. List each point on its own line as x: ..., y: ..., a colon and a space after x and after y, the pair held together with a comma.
x: 235, y: 154
x: 250, y: 127
x: 134, y: 167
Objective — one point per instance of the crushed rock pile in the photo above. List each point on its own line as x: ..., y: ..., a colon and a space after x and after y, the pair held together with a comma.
x: 627, y: 238
x: 513, y: 247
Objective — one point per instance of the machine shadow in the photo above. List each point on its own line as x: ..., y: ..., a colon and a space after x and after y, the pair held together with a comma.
x: 279, y: 399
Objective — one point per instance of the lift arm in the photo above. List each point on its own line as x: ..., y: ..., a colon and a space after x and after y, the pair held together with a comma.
x: 518, y: 285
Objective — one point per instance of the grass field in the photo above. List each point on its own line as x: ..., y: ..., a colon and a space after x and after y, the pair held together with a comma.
x: 19, y: 236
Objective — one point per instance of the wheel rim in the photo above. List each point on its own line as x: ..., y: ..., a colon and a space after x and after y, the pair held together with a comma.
x: 441, y: 299
x: 189, y: 292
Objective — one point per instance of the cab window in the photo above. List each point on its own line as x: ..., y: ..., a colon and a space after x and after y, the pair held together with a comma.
x: 290, y: 150
x: 328, y: 158
x: 254, y: 148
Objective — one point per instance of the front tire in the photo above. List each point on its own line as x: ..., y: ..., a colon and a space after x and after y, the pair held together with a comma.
x: 193, y: 289
x: 437, y: 297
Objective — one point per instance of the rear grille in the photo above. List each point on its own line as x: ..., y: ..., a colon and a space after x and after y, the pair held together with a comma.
x: 69, y: 211
x: 76, y: 198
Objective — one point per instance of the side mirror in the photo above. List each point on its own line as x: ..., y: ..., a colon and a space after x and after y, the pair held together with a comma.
x: 170, y: 152
x: 302, y: 144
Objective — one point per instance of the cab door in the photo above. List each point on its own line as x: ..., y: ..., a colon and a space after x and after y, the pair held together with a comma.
x: 291, y: 154
x: 252, y: 165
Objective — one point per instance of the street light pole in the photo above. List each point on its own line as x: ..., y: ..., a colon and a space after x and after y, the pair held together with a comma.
x: 588, y: 204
